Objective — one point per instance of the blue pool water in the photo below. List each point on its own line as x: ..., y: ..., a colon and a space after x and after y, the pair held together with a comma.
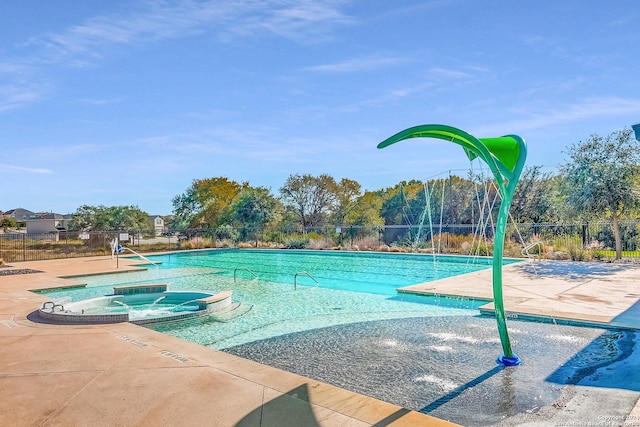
x: 376, y: 273
x: 352, y: 287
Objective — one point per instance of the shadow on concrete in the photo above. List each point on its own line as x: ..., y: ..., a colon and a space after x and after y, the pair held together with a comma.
x: 459, y: 390
x: 290, y: 409
x: 630, y: 318
x: 570, y: 270
x: 619, y: 345
x: 294, y: 409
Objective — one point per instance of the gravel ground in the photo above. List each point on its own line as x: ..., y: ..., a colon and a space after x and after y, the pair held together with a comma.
x: 7, y: 270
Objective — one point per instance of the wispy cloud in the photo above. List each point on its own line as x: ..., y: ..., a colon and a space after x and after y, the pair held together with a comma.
x: 294, y: 19
x: 587, y: 109
x: 14, y: 168
x: 162, y: 20
x: 630, y: 19
x: 17, y: 95
x: 87, y: 43
x: 359, y: 64
x: 100, y: 101
x: 432, y: 78
x: 448, y: 74
x: 13, y: 67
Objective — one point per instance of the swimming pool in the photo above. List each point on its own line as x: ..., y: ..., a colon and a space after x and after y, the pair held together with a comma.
x: 376, y: 273
x: 352, y: 330
x: 351, y: 287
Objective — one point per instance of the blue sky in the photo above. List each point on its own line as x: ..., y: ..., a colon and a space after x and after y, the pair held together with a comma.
x: 127, y: 102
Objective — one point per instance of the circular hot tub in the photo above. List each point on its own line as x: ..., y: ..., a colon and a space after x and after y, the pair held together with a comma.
x: 140, y: 304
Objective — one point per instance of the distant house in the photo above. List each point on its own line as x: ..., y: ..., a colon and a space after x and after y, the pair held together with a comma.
x: 20, y: 214
x: 47, y: 223
x: 158, y: 224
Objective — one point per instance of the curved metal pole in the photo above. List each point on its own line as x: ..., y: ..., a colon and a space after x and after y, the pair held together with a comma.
x: 505, y: 156
x: 508, y: 358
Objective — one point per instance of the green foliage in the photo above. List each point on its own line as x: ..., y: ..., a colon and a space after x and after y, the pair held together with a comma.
x: 366, y: 210
x: 7, y: 222
x: 601, y: 178
x: 535, y: 197
x: 481, y: 248
x: 602, y: 174
x: 227, y: 232
x: 576, y: 252
x: 206, y: 203
x: 274, y: 236
x: 395, y: 206
x: 105, y: 218
x: 296, y: 242
x: 254, y: 207
x: 311, y: 198
x: 347, y: 196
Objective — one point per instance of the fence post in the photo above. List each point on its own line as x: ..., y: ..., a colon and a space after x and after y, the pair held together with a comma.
x: 24, y: 247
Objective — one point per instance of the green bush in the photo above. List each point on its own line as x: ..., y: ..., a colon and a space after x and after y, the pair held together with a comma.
x: 227, y: 232
x: 577, y: 253
x: 482, y: 248
x: 274, y: 235
x: 296, y: 243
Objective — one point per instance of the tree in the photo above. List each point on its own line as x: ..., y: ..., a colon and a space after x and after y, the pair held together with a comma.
x: 347, y: 194
x: 7, y: 223
x: 312, y: 198
x: 206, y: 203
x: 535, y: 197
x: 396, y: 209
x: 104, y: 218
x: 601, y: 178
x: 451, y: 200
x: 254, y: 207
x: 366, y: 210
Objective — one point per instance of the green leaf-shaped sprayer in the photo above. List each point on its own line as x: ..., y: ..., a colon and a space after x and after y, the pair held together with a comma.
x: 505, y: 156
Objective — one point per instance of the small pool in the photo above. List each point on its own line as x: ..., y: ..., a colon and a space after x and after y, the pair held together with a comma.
x: 140, y: 304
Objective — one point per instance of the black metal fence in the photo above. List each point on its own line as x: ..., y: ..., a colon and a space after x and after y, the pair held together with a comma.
x: 576, y: 241
x: 15, y: 247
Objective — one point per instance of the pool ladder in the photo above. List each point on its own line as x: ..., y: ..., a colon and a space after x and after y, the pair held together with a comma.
x: 303, y: 273
x: 525, y: 253
x: 243, y: 268
x: 50, y: 305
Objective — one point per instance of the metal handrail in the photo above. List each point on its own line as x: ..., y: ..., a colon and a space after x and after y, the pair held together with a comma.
x: 141, y: 256
x: 243, y: 268
x: 525, y: 251
x: 295, y: 278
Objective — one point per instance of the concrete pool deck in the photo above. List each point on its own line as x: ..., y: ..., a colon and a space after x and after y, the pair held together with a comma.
x: 585, y: 293
x: 123, y: 374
